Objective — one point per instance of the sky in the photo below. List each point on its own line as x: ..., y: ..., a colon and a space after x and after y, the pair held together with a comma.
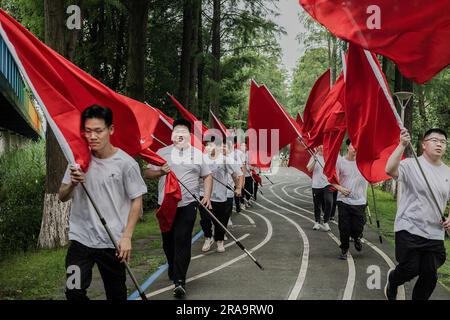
x: 288, y: 19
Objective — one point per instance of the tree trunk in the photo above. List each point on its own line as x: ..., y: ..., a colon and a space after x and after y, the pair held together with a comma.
x: 120, y: 56
x: 201, y: 67
x: 215, y: 85
x: 54, y: 226
x: 195, y: 57
x: 137, y: 47
x: 186, y: 52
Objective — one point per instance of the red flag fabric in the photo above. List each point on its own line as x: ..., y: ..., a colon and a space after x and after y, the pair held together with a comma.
x: 219, y: 125
x: 372, y: 126
x: 200, y: 127
x: 316, y: 98
x: 413, y: 34
x: 329, y: 106
x: 264, y: 115
x: 163, y: 132
x: 333, y: 137
x: 172, y: 193
x: 299, y: 156
x: 64, y: 91
x: 256, y: 177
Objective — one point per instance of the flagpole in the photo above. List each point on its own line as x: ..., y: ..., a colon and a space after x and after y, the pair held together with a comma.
x: 376, y: 214
x: 64, y: 146
x: 379, y: 77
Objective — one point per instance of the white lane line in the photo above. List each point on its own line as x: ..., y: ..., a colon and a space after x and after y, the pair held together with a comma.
x: 295, y: 292
x: 387, y: 259
x: 248, y: 218
x: 226, y: 264
x: 226, y: 246
x: 350, y: 262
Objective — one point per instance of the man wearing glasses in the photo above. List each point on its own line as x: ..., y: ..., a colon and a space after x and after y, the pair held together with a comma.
x: 115, y: 181
x: 419, y: 229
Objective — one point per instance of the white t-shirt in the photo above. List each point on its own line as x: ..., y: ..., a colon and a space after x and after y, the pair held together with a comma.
x: 247, y: 165
x: 351, y: 179
x: 112, y: 183
x: 319, y: 180
x: 417, y: 212
x: 238, y: 162
x: 221, y: 168
x: 188, y: 166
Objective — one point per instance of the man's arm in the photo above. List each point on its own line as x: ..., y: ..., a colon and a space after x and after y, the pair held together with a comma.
x: 156, y: 174
x: 208, y: 184
x: 66, y: 190
x: 125, y: 242
x: 394, y: 160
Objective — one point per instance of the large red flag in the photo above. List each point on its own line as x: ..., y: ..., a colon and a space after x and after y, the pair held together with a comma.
x: 217, y: 124
x: 327, y: 108
x: 196, y: 124
x: 299, y: 156
x: 372, y: 126
x: 414, y: 34
x: 64, y: 91
x: 270, y: 126
x: 316, y: 98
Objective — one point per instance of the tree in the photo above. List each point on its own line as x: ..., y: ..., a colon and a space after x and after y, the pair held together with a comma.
x: 137, y: 47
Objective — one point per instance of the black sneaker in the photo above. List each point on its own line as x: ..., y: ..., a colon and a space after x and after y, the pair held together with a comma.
x: 390, y: 291
x: 180, y: 290
x: 343, y: 255
x: 358, y: 244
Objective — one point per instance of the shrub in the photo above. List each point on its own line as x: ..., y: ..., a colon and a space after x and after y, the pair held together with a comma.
x: 22, y: 187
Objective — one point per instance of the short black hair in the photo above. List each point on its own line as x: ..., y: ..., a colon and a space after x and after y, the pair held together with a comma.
x: 435, y: 130
x: 97, y: 112
x: 347, y: 142
x: 182, y: 122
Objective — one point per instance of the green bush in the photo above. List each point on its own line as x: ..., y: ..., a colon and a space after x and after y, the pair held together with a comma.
x: 150, y: 199
x: 22, y: 187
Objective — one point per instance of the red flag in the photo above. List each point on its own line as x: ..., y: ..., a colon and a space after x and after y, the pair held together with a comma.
x: 329, y: 106
x: 299, y: 156
x: 163, y: 132
x: 413, y: 34
x: 316, y: 98
x: 219, y: 125
x: 372, y: 126
x: 172, y: 193
x: 64, y: 91
x: 334, y: 134
x: 256, y: 177
x: 196, y: 124
x: 267, y: 117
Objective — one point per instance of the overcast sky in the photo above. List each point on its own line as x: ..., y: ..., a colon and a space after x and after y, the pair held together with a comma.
x: 288, y: 19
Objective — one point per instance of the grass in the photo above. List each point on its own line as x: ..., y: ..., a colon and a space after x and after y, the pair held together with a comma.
x: 387, y: 207
x: 40, y: 274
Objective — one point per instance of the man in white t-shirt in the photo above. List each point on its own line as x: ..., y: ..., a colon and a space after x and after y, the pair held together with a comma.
x: 351, y: 200
x: 321, y: 190
x: 114, y: 180
x: 188, y: 165
x: 419, y: 229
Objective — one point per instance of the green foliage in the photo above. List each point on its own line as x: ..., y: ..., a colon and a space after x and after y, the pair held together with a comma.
x: 22, y: 187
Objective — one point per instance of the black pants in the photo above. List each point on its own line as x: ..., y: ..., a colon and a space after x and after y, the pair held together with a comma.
x: 322, y: 199
x: 177, y: 241
x: 417, y: 256
x: 111, y: 270
x: 333, y: 208
x: 229, y: 207
x: 352, y: 219
x: 255, y: 189
x: 249, y: 187
x: 237, y: 202
x: 222, y: 213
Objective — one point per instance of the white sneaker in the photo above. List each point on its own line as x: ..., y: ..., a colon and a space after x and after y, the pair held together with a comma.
x: 207, y: 244
x: 220, y: 247
x: 326, y: 226
x: 225, y: 238
x: 316, y: 226
x: 230, y: 223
